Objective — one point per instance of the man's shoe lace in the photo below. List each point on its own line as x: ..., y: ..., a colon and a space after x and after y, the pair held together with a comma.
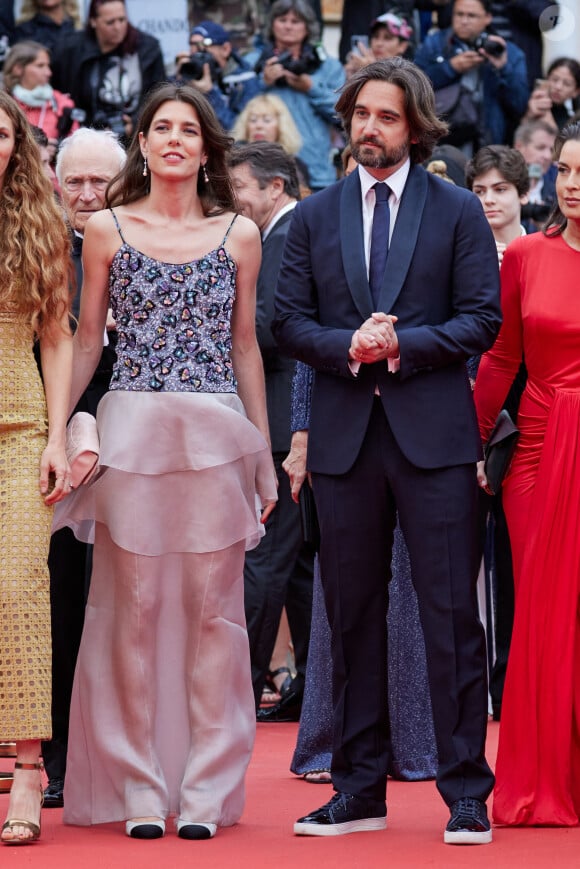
x: 468, y: 814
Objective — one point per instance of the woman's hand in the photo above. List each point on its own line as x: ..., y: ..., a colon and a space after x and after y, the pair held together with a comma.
x: 539, y: 105
x: 265, y: 514
x: 128, y: 125
x: 295, y: 462
x: 481, y: 478
x: 301, y: 83
x: 359, y: 58
x: 54, y: 463
x: 272, y: 71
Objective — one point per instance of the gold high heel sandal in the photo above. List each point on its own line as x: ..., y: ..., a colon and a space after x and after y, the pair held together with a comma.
x: 20, y: 822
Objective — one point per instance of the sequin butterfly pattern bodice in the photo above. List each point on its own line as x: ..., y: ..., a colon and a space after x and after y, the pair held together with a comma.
x: 173, y: 322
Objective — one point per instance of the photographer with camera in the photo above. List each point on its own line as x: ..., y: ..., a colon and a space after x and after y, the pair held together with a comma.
x: 214, y: 68
x: 480, y: 79
x: 295, y: 67
x: 535, y: 142
x: 108, y: 67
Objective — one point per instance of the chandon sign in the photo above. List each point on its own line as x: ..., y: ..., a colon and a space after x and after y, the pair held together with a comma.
x: 167, y: 21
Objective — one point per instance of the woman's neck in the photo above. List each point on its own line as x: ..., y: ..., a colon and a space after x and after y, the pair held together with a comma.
x: 571, y: 234
x: 57, y: 14
x: 174, y: 202
x: 295, y: 49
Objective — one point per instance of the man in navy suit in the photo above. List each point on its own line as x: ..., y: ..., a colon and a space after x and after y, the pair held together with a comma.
x: 279, y: 571
x: 393, y: 428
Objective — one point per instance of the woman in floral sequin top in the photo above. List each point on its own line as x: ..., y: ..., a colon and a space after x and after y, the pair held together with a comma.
x: 162, y: 719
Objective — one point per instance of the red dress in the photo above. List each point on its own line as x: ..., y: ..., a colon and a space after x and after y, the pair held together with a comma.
x: 538, y: 764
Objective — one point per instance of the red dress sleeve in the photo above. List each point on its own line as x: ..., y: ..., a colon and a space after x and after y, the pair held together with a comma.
x: 500, y: 365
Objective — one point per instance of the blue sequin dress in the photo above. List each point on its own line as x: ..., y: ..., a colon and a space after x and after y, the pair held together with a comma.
x: 414, y: 754
x: 162, y: 715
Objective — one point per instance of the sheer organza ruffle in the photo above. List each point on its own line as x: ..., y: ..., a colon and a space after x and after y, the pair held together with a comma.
x: 180, y: 472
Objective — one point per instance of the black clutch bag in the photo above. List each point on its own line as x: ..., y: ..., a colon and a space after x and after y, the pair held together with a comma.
x: 309, y: 516
x: 499, y: 451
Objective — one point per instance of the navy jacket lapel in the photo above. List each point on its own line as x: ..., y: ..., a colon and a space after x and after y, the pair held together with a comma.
x: 404, y: 238
x: 352, y: 245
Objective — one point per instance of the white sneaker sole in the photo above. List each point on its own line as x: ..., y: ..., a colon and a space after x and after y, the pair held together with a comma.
x: 465, y: 837
x: 364, y: 825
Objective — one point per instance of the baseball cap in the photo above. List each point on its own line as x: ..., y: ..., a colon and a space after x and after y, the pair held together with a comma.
x: 211, y: 31
x: 395, y: 24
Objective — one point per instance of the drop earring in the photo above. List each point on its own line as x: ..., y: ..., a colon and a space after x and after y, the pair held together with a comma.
x: 145, y: 167
x: 205, y: 175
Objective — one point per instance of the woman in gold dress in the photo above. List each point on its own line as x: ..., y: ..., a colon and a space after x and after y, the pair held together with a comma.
x: 34, y: 474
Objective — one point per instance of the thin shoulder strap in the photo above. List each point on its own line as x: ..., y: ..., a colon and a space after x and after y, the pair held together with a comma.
x: 225, y: 238
x: 117, y: 225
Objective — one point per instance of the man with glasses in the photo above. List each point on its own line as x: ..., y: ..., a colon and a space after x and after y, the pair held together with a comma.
x: 86, y: 162
x: 214, y: 68
x: 480, y: 79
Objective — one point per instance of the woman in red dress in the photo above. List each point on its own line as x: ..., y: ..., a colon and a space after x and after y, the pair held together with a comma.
x: 538, y: 765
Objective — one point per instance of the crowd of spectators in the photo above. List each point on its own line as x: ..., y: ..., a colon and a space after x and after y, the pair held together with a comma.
x: 484, y: 59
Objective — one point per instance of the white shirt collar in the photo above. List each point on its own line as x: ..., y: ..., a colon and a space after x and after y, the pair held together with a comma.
x: 285, y: 208
x: 396, y: 181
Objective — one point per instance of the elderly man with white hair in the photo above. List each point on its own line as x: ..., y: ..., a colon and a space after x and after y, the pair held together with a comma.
x: 86, y: 162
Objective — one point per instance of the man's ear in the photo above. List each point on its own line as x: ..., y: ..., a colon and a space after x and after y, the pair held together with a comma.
x: 277, y: 185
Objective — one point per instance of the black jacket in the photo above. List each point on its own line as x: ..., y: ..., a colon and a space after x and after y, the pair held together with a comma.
x: 74, y: 60
x: 43, y: 29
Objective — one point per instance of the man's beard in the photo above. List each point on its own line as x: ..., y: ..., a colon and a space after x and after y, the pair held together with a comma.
x: 381, y: 158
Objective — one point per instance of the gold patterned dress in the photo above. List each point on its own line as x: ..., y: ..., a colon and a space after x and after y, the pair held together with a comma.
x: 25, y: 645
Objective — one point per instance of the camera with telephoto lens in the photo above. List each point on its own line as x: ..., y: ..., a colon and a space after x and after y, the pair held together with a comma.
x: 311, y: 58
x: 490, y: 46
x: 192, y: 69
x: 114, y: 121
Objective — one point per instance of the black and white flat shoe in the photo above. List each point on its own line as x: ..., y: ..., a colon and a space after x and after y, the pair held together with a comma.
x: 191, y: 830
x: 145, y: 829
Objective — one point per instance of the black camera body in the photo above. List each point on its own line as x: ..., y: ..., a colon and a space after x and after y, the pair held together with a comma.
x: 311, y: 58
x: 536, y: 211
x: 109, y: 121
x: 69, y: 115
x: 192, y: 69
x: 490, y: 46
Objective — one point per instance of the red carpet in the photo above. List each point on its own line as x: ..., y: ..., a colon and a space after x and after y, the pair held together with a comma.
x: 416, y: 819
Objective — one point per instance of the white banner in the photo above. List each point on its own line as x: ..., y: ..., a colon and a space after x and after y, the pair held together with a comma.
x: 166, y: 21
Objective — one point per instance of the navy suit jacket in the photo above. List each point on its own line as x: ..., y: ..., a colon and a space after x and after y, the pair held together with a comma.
x: 278, y: 369
x: 441, y: 281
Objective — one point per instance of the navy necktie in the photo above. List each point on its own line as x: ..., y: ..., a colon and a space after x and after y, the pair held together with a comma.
x: 379, y: 240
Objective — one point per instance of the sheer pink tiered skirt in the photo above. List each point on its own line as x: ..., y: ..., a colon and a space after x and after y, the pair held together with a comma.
x: 162, y: 717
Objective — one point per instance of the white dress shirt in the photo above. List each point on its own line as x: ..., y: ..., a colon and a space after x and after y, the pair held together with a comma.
x: 396, y: 182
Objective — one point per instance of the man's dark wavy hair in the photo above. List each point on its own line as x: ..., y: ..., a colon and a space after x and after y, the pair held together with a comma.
x: 424, y: 125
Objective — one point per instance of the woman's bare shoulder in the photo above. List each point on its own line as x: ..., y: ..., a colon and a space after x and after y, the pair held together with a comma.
x: 244, y: 241
x: 101, y: 223
x: 243, y: 229
x: 102, y: 234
